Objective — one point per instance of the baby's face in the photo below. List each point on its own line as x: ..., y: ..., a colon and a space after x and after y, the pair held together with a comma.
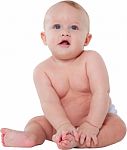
x: 66, y: 30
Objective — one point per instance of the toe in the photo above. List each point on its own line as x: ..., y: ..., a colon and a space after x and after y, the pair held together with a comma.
x: 3, y: 132
x: 2, y: 140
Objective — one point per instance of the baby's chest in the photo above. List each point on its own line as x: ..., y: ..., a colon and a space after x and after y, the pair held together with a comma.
x: 63, y: 81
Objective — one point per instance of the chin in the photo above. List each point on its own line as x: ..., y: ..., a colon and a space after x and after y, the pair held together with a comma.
x: 67, y: 55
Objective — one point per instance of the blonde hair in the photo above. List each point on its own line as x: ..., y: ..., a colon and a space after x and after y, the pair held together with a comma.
x: 75, y: 5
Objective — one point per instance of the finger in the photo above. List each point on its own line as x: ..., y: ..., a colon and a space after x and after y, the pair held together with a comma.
x: 53, y: 138
x: 65, y: 143
x: 76, y: 135
x: 88, y: 141
x: 57, y: 138
x: 82, y: 138
x: 64, y: 134
x: 95, y: 140
x: 59, y: 145
x: 79, y: 133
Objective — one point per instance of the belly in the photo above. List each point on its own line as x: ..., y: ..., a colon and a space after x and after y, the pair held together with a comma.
x: 76, y: 107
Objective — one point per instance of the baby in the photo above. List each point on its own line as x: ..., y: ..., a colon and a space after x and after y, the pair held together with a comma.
x: 73, y: 88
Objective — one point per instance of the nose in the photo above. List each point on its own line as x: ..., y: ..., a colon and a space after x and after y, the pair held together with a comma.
x: 65, y: 33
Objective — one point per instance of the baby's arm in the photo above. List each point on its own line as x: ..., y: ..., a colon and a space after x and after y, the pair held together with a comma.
x: 51, y: 104
x: 99, y: 86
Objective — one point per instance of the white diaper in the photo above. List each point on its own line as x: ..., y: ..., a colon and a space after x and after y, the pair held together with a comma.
x: 112, y: 109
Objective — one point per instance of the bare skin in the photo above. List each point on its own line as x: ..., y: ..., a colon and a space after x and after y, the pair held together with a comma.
x: 73, y: 88
x: 76, y: 105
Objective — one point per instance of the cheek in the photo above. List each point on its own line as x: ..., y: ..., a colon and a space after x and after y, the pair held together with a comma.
x: 83, y: 39
x: 51, y: 42
x: 51, y: 39
x: 79, y: 42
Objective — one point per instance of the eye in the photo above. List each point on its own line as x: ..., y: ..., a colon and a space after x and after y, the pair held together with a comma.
x: 56, y: 26
x: 74, y: 27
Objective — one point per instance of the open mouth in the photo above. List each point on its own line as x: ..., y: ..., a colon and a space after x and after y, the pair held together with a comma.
x: 64, y: 43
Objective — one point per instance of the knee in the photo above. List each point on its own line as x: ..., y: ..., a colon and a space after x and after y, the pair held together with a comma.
x: 36, y: 122
x: 122, y: 130
x: 118, y: 129
x: 36, y: 119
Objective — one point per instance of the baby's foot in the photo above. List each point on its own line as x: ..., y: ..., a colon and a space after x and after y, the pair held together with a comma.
x: 13, y: 138
x: 67, y: 142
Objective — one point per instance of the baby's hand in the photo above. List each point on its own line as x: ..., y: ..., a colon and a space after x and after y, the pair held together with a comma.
x: 88, y: 133
x: 64, y: 130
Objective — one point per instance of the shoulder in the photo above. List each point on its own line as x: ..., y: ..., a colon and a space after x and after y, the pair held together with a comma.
x: 42, y: 67
x: 40, y: 75
x: 93, y: 56
x: 94, y: 61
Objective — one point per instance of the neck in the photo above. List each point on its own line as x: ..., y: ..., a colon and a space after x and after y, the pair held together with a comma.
x: 63, y: 61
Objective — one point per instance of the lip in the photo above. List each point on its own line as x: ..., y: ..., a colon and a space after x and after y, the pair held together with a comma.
x: 64, y: 43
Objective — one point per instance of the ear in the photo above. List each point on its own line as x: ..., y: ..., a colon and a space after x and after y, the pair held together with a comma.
x: 87, y: 40
x: 43, y: 37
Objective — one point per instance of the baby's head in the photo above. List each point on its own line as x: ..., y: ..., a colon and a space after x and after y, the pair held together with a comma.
x: 66, y: 26
x: 73, y: 4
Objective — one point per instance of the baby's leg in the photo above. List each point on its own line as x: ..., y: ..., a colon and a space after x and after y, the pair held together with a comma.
x: 112, y: 131
x: 36, y: 131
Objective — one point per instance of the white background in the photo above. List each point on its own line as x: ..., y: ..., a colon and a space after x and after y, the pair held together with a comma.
x: 21, y: 49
